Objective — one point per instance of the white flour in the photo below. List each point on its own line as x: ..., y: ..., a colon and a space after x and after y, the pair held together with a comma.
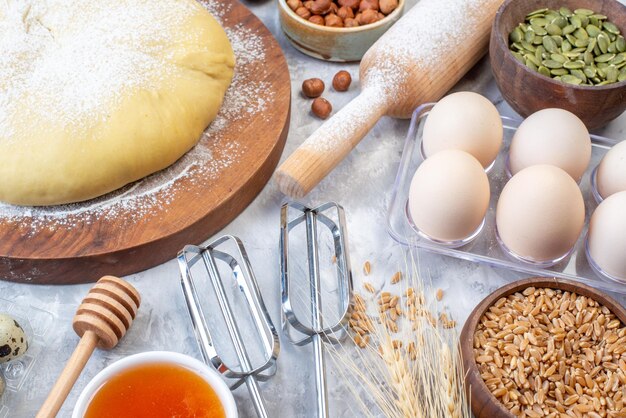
x: 205, y: 161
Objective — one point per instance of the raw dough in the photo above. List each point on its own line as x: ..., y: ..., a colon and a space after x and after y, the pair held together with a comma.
x: 97, y: 94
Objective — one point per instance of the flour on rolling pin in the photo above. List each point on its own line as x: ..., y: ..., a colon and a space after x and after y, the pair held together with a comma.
x: 417, y: 61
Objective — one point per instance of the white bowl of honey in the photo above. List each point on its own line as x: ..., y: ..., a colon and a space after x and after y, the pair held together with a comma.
x: 156, y: 384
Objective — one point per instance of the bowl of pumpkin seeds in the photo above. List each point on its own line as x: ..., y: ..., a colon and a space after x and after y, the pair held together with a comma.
x: 559, y: 53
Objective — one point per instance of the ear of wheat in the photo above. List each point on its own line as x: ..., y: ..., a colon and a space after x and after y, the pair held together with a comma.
x: 407, y: 363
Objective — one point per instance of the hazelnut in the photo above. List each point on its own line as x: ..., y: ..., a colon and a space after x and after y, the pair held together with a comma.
x: 321, y: 7
x: 334, y: 8
x: 353, y: 4
x: 317, y: 19
x: 350, y: 22
x: 333, y: 20
x: 313, y: 87
x: 367, y: 17
x: 388, y: 6
x: 308, y: 4
x: 294, y: 4
x: 345, y: 12
x: 380, y: 16
x: 368, y: 4
x: 342, y: 80
x: 321, y: 108
x: 303, y: 12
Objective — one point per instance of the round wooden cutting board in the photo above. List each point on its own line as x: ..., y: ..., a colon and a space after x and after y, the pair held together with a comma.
x: 115, y: 235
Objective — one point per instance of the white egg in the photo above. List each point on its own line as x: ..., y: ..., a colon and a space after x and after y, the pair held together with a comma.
x: 465, y: 121
x: 449, y: 196
x: 607, y: 235
x: 611, y: 174
x: 540, y: 213
x: 551, y: 136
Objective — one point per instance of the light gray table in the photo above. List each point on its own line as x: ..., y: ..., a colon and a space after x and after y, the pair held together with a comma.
x: 361, y: 184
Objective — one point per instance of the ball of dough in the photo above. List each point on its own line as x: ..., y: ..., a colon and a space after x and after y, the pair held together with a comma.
x: 551, y: 136
x: 465, y: 121
x: 95, y: 95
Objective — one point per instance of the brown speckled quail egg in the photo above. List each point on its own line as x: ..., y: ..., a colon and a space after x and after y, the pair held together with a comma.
x: 611, y: 175
x: 551, y: 136
x: 465, y: 121
x: 540, y: 214
x: 13, y: 341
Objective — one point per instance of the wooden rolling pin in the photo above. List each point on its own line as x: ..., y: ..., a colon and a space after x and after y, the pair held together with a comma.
x: 417, y: 61
x: 101, y: 320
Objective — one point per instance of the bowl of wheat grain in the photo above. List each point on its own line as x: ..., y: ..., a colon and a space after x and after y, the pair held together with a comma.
x: 542, y: 347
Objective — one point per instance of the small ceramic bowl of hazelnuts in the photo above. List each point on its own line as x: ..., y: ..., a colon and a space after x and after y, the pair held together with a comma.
x: 337, y: 30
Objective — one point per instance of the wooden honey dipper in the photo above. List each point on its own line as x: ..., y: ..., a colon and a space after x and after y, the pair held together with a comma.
x: 101, y: 320
x: 417, y: 61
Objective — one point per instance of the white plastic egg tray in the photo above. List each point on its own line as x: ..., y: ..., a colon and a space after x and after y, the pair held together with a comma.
x: 485, y: 248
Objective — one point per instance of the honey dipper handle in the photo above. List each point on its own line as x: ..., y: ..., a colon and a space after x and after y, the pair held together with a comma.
x: 68, y: 376
x: 331, y: 143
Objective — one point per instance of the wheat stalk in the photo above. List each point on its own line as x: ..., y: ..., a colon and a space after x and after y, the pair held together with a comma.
x: 415, y: 372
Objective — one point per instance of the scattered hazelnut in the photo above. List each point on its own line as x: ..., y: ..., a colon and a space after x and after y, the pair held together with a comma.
x: 350, y: 22
x: 353, y: 4
x: 333, y: 20
x: 320, y: 7
x: 345, y: 12
x: 342, y: 81
x: 317, y: 19
x: 313, y: 87
x: 388, y: 6
x: 368, y: 4
x: 321, y: 108
x: 303, y: 12
x: 294, y: 4
x: 367, y: 17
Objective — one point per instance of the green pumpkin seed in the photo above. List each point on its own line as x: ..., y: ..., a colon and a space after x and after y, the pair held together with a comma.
x: 580, y: 33
x: 558, y: 71
x: 611, y: 74
x: 533, y: 59
x: 585, y: 12
x: 543, y: 70
x: 550, y: 44
x: 579, y: 74
x: 552, y: 64
x: 570, y: 79
x: 553, y: 29
x: 603, y: 83
x: 538, y: 21
x: 580, y: 47
x: 592, y: 45
x: 605, y: 58
x: 589, y: 72
x: 527, y: 46
x: 538, y: 30
x: 603, y: 43
x: 619, y: 59
x: 536, y: 12
x: 611, y: 28
x: 581, y: 43
x: 592, y: 30
x: 574, y: 65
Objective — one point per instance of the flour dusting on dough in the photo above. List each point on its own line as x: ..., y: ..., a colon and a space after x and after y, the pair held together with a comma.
x: 243, y: 99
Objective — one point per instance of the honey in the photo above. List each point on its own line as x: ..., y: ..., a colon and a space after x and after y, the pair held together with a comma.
x: 156, y: 390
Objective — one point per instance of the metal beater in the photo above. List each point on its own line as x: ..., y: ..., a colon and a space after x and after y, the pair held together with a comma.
x: 317, y: 332
x: 244, y: 278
